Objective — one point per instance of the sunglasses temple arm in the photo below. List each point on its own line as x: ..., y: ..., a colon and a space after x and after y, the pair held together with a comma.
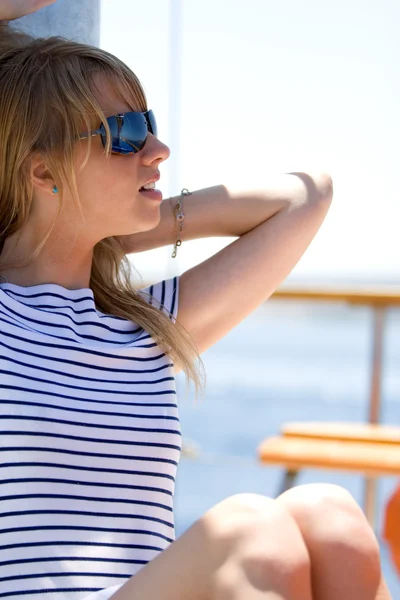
x: 90, y: 134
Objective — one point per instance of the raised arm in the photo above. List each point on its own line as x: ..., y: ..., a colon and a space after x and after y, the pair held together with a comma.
x: 14, y: 9
x: 275, y: 226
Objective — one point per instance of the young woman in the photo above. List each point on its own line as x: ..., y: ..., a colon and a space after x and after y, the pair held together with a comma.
x: 90, y: 435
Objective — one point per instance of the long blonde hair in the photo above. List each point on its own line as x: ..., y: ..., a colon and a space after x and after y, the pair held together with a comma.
x: 47, y: 90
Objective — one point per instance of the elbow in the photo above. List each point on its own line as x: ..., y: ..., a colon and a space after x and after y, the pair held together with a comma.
x: 324, y: 186
x: 317, y: 188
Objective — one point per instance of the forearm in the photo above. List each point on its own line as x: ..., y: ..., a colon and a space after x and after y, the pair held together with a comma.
x: 220, y: 212
x: 11, y: 10
x: 14, y: 9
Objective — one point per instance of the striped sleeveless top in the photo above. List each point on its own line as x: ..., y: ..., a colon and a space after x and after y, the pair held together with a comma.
x: 89, y: 443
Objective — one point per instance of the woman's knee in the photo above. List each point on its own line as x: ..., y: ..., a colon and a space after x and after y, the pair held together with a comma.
x: 245, y: 517
x: 259, y: 538
x: 330, y: 519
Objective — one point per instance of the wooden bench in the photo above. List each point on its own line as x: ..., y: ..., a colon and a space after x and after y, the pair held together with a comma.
x: 373, y: 450
x: 370, y: 449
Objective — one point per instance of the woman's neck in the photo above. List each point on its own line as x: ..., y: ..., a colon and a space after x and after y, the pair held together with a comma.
x: 69, y: 269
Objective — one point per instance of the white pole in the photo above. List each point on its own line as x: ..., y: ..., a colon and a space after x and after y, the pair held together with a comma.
x: 174, y: 102
x: 73, y: 19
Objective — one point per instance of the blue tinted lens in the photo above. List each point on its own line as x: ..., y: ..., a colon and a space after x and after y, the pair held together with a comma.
x: 151, y: 122
x: 129, y: 131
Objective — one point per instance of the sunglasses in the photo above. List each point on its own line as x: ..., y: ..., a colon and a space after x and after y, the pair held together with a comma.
x: 128, y: 131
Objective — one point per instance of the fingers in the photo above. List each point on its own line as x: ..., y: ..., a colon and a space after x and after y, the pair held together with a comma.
x: 14, y: 9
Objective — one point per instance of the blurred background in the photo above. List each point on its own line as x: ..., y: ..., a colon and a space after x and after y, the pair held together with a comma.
x: 241, y: 90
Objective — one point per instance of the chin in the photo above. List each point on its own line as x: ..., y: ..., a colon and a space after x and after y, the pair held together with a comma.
x: 141, y: 225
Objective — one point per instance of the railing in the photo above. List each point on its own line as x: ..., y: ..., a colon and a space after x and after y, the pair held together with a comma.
x: 379, y: 299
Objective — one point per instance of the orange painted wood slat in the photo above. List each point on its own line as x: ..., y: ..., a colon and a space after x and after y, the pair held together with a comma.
x: 297, y: 453
x: 366, y: 295
x: 356, y: 432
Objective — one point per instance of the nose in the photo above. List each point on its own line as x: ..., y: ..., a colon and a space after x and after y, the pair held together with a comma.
x: 154, y: 150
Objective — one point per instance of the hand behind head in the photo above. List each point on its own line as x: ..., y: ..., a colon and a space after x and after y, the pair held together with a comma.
x: 14, y: 9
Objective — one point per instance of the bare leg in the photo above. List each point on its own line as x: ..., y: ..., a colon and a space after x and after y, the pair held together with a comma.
x: 383, y: 592
x: 246, y: 548
x: 344, y: 552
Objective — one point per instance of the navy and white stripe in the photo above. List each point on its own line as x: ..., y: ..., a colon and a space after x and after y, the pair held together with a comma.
x: 89, y: 443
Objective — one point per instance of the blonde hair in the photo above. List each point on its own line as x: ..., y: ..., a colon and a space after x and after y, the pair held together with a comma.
x: 47, y: 90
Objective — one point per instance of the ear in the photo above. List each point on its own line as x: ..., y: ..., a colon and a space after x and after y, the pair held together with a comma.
x: 41, y: 177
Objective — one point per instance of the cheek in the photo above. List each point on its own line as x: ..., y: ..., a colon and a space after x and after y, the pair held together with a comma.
x: 106, y: 180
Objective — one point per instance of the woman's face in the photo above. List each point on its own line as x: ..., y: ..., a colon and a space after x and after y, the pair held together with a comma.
x: 109, y: 186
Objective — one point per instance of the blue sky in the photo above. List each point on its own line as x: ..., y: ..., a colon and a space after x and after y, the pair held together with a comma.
x: 270, y: 87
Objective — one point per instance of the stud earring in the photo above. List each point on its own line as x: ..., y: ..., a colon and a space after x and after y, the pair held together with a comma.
x: 55, y: 189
